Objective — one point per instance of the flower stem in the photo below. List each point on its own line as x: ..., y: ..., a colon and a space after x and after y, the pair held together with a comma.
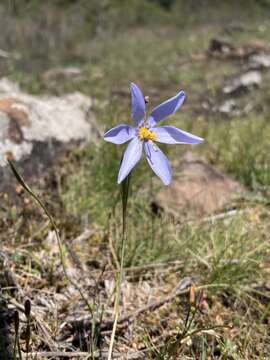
x: 124, y: 193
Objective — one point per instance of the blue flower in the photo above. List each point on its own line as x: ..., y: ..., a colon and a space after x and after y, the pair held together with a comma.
x: 143, y: 135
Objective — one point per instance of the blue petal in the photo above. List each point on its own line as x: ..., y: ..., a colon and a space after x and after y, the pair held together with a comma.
x: 137, y: 103
x: 120, y: 134
x: 158, y: 162
x: 172, y: 135
x: 167, y: 108
x: 132, y: 155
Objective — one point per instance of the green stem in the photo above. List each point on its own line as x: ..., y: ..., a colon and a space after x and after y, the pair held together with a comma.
x: 53, y: 224
x: 125, y: 193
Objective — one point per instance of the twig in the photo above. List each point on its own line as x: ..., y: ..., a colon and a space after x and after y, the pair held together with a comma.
x: 181, y: 289
x: 212, y: 218
x: 151, y: 266
x: 85, y: 355
x: 221, y: 216
x: 56, y: 354
x: 84, y: 235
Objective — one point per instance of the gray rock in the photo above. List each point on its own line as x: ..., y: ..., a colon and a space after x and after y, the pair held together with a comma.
x: 231, y: 108
x: 36, y: 126
x: 220, y: 46
x: 228, y: 107
x: 259, y: 61
x: 244, y: 82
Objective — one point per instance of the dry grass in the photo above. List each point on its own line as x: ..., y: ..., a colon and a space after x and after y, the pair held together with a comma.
x: 227, y: 258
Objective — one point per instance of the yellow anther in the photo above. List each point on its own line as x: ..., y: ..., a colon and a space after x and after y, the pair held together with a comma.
x: 146, y: 134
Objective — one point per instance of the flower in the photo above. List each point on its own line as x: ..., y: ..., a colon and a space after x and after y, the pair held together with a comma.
x: 144, y: 134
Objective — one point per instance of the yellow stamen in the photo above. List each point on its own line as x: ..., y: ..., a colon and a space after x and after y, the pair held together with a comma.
x: 146, y: 134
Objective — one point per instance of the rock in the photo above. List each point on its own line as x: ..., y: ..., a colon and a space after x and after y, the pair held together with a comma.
x: 61, y: 73
x: 34, y: 128
x: 199, y: 190
x: 259, y: 62
x: 220, y: 47
x: 230, y: 108
x: 243, y: 83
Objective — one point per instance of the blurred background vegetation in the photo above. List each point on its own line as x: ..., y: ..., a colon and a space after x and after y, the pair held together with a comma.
x: 60, y: 30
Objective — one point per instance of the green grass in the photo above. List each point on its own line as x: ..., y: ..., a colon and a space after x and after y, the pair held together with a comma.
x: 230, y: 145
x: 226, y: 257
x: 229, y: 258
x: 242, y: 148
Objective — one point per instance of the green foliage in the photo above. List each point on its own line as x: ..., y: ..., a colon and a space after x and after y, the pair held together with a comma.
x: 243, y: 147
x: 89, y: 192
x: 116, y: 42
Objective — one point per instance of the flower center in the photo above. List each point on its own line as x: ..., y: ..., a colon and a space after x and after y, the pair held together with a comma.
x: 146, y: 134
